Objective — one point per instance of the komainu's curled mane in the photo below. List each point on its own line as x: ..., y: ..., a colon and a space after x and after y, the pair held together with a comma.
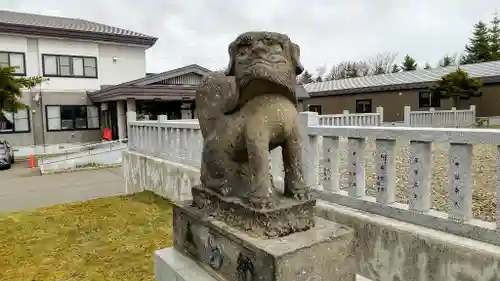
x: 216, y: 96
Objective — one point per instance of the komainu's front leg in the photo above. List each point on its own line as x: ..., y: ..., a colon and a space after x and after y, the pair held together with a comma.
x: 294, y: 179
x: 257, y: 144
x: 214, y: 170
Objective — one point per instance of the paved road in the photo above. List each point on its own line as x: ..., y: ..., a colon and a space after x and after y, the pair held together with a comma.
x: 23, y: 188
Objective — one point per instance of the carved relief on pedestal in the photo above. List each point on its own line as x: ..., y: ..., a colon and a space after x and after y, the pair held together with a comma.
x: 245, y: 271
x: 215, y: 254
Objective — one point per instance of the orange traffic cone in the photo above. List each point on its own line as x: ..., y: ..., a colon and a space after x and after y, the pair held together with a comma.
x: 32, y: 161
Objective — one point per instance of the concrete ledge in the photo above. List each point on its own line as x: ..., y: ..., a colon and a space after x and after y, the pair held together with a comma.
x: 475, y: 229
x: 170, y: 265
x: 69, y: 170
x: 388, y: 249
x: 167, y: 179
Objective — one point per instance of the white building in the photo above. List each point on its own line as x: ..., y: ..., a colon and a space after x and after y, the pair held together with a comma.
x: 77, y: 56
x: 97, y: 73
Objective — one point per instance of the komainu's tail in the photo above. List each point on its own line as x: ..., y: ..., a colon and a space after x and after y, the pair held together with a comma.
x: 216, y: 95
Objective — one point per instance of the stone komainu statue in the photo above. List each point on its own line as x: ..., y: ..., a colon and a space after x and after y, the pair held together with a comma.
x: 247, y: 112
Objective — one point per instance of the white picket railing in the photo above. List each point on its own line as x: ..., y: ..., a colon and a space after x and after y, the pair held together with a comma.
x: 458, y: 220
x: 182, y: 142
x: 440, y: 118
x: 433, y: 118
x: 174, y: 140
x: 353, y: 119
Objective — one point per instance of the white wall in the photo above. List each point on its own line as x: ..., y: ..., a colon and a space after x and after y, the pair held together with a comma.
x: 13, y: 44
x: 130, y: 63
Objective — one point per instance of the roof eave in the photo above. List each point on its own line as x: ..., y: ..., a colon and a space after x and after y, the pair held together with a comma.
x: 408, y: 86
x: 124, y: 92
x: 166, y: 74
x: 75, y: 34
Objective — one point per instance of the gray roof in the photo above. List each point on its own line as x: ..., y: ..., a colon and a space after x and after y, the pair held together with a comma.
x: 154, y: 77
x: 24, y: 23
x: 301, y: 93
x: 489, y: 72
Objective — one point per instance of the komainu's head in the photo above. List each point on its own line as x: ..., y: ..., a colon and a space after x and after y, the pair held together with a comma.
x: 266, y: 57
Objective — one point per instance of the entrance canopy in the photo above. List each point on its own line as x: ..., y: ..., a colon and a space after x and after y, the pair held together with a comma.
x: 176, y: 84
x: 173, y: 85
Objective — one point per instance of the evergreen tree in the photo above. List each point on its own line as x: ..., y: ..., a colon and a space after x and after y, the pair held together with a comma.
x: 11, y: 86
x: 478, y: 49
x: 395, y: 68
x: 448, y: 61
x: 408, y: 64
x: 457, y: 86
x: 305, y: 78
x: 427, y: 66
x: 494, y: 37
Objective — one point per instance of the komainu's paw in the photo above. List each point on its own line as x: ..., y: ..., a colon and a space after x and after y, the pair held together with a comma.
x: 301, y: 196
x: 261, y: 203
x: 297, y: 191
x: 261, y: 196
x: 217, y: 185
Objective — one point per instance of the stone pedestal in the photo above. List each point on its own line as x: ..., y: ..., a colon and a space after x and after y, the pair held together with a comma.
x: 224, y: 252
x: 286, y: 217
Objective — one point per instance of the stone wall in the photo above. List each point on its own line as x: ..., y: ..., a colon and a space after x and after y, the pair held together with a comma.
x: 167, y: 179
x: 391, y: 250
x: 386, y: 249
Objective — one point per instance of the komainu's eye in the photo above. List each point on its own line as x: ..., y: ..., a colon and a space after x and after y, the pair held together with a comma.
x: 243, y: 49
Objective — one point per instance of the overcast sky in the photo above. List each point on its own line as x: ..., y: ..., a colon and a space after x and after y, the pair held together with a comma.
x: 328, y: 31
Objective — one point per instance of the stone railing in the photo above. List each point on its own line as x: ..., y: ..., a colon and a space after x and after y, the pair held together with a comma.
x: 395, y: 241
x: 432, y: 118
x: 353, y: 119
x: 440, y: 118
x: 178, y: 141
x: 343, y: 179
x: 325, y: 147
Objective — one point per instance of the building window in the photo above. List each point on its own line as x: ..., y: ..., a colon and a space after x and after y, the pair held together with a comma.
x: 315, y: 108
x: 15, y: 122
x: 72, y: 117
x: 15, y: 60
x: 428, y: 99
x: 363, y: 106
x: 69, y: 66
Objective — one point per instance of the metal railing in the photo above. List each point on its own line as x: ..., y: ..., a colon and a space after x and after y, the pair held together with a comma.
x: 84, y: 151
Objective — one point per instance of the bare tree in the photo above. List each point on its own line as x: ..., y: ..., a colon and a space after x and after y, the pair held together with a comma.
x: 320, y: 73
x: 335, y: 73
x: 363, y: 68
x: 382, y: 63
x: 348, y: 69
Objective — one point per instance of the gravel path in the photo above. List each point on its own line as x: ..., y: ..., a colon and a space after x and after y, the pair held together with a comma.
x: 484, y: 176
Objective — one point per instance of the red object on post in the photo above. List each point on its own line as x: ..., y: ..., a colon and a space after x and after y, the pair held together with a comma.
x: 32, y: 161
x: 107, y: 134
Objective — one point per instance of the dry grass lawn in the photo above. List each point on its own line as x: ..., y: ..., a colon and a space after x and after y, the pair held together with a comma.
x: 98, y: 240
